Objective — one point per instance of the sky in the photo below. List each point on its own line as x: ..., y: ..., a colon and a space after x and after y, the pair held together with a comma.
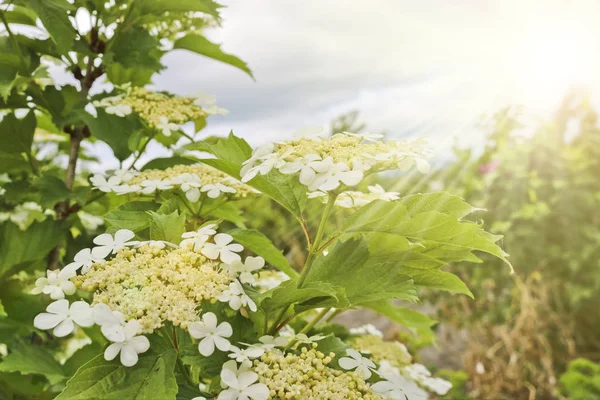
x: 412, y: 68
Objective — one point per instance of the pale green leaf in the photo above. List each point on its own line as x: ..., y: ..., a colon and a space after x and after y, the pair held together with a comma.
x: 167, y: 227
x: 311, y: 295
x: 348, y: 265
x: 53, y: 14
x: 414, y: 320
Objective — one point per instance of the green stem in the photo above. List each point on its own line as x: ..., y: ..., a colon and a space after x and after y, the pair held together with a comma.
x: 34, y: 164
x: 141, y: 151
x: 315, y: 320
x: 314, y: 248
x: 275, y: 326
x: 334, y: 314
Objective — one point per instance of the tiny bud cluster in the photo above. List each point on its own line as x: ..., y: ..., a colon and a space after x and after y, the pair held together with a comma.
x: 308, y: 376
x: 394, y: 352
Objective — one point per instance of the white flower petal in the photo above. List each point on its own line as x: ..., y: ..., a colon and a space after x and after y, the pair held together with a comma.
x: 140, y: 344
x: 64, y: 328
x: 111, y: 351
x: 207, y: 346
x: 46, y: 321
x: 129, y: 357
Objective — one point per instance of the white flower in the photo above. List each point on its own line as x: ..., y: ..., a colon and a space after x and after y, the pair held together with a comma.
x: 331, y: 179
x: 105, y: 185
x: 240, y: 385
x: 152, y: 185
x: 189, y: 184
x: 198, y: 238
x: 407, y: 162
x: 160, y: 244
x: 417, y: 371
x: 302, y: 338
x: 362, y: 366
x: 107, y: 244
x: 211, y: 334
x: 245, y: 269
x: 437, y: 385
x: 89, y: 221
x: 397, y: 387
x: 367, y: 329
x: 57, y: 284
x: 236, y: 297
x: 110, y: 321
x: 214, y: 109
x: 308, y: 131
x: 223, y: 249
x: 120, y: 110
x: 125, y: 175
x: 165, y: 126
x: 248, y: 165
x: 309, y: 166
x: 202, y: 98
x: 382, y: 194
x: 62, y: 318
x: 215, y: 189
x: 127, y: 343
x: 366, y: 136
x: 267, y: 161
x: 269, y: 342
x: 241, y: 355
x: 84, y: 260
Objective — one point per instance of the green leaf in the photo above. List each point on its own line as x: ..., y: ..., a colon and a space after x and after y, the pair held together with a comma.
x: 262, y: 246
x: 333, y: 344
x: 52, y: 190
x: 30, y: 245
x: 137, y: 76
x: 20, y: 15
x: 30, y: 359
x: 65, y: 104
x: 406, y: 317
x: 167, y: 227
x: 164, y: 163
x: 16, y: 135
x: 311, y: 295
x: 441, y: 202
x: 440, y: 234
x: 348, y: 265
x: 53, y: 14
x: 133, y: 48
x: 151, y: 378
x: 132, y: 216
x: 162, y: 6
x: 232, y: 151
x: 200, y: 45
x: 114, y: 130
x: 13, y: 163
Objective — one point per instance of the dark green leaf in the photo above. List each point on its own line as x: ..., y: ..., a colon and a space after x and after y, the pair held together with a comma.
x: 164, y: 163
x: 131, y: 215
x: 19, y: 247
x: 52, y: 190
x: 16, y: 135
x: 53, y: 14
x: 114, y: 130
x: 200, y: 45
x: 30, y: 359
x: 151, y: 378
x: 162, y: 6
x: 311, y: 295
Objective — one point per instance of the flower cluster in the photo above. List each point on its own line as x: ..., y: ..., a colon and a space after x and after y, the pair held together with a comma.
x: 402, y: 379
x: 392, y: 351
x: 344, y: 159
x: 23, y: 215
x: 145, y: 284
x: 161, y: 111
x: 307, y: 375
x: 356, y: 199
x: 192, y: 180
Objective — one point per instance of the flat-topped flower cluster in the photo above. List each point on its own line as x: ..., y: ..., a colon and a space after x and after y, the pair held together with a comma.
x: 192, y: 180
x: 146, y: 284
x: 343, y: 159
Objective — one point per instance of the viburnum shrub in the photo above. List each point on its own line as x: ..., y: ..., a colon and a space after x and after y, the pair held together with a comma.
x: 148, y: 282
